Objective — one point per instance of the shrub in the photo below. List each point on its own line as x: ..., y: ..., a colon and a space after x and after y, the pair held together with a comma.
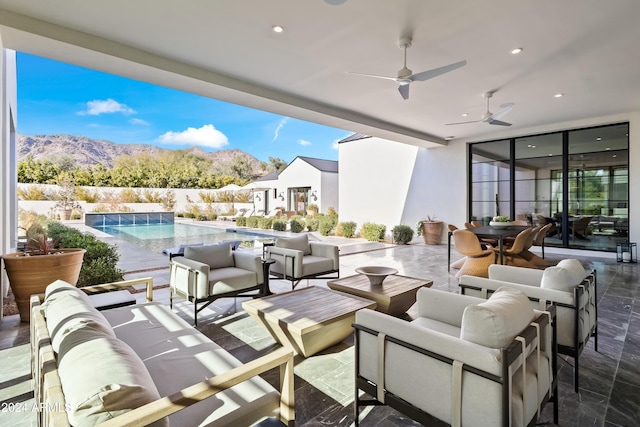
x: 201, y: 217
x: 280, y: 225
x: 348, y: 229
x: 32, y: 192
x: 88, y: 195
x: 100, y: 261
x: 265, y: 223
x: 312, y: 224
x: 402, y: 234
x: 241, y: 221
x: 189, y: 215
x: 296, y: 224
x: 252, y: 221
x: 373, y: 232
x: 332, y: 212
x: 326, y: 224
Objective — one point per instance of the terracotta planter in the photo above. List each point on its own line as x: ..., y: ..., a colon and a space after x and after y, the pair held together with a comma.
x: 432, y: 232
x: 65, y: 214
x: 29, y: 275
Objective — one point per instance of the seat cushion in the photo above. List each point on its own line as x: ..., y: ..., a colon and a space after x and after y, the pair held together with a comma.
x: 216, y: 256
x: 315, y: 265
x: 299, y: 243
x: 497, y: 321
x: 177, y: 355
x: 228, y: 279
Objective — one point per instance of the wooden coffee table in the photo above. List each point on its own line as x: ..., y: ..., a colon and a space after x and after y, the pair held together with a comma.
x: 395, y: 295
x: 308, y: 319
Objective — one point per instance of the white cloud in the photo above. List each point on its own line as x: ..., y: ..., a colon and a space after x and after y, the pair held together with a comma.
x: 139, y: 122
x: 280, y: 126
x: 206, y: 136
x: 303, y: 142
x: 107, y: 106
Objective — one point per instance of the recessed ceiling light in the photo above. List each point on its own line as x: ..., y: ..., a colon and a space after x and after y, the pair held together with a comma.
x: 598, y: 139
x: 608, y: 148
x: 615, y: 155
x: 515, y: 51
x: 277, y: 28
x: 465, y: 114
x: 550, y: 154
x: 449, y: 138
x: 558, y: 95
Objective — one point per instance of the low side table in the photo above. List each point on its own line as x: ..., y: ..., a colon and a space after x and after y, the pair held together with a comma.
x: 266, y: 265
x: 395, y: 296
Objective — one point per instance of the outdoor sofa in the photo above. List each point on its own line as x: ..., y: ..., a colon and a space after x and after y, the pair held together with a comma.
x: 460, y: 362
x: 142, y: 364
x: 567, y: 285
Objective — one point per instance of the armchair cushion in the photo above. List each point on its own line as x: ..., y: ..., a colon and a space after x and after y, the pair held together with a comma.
x: 299, y: 243
x: 216, y: 256
x: 568, y: 274
x: 497, y: 321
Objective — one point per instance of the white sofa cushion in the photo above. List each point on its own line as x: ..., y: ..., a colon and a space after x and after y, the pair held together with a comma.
x: 216, y: 256
x: 299, y: 243
x: 497, y: 321
x: 177, y: 355
x: 102, y: 378
x: 575, y: 269
x: 557, y: 278
x: 67, y: 309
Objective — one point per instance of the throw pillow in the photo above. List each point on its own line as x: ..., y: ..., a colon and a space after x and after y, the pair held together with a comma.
x: 216, y: 256
x: 497, y: 321
x: 68, y: 310
x: 102, y: 377
x: 575, y: 269
x: 558, y: 278
x: 299, y: 243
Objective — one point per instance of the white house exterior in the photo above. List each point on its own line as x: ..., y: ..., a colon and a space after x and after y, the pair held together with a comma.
x: 304, y: 181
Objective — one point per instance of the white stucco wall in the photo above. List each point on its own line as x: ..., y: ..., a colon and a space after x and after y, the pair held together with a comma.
x: 8, y: 123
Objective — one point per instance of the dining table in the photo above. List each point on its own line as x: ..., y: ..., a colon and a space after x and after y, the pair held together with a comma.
x: 492, y: 232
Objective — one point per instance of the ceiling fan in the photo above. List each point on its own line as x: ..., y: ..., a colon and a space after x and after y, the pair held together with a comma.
x: 406, y: 76
x: 488, y: 116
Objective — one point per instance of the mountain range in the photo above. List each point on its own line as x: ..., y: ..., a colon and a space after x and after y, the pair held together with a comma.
x: 87, y: 152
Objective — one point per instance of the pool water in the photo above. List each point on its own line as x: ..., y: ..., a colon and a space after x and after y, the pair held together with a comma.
x: 157, y: 237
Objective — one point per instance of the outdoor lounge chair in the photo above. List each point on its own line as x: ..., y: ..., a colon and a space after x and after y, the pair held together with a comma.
x: 568, y: 286
x: 297, y: 258
x: 207, y: 273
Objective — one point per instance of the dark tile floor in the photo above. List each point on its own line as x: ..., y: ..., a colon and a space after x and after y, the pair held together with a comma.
x: 610, y: 380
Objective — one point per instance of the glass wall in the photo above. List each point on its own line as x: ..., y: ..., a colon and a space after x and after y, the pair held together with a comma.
x: 577, y: 180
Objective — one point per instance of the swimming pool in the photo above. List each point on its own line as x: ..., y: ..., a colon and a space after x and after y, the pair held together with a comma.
x: 157, y: 237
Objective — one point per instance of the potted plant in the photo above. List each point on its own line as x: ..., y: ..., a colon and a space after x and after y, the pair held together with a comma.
x: 66, y: 197
x: 39, y: 265
x: 501, y: 221
x: 430, y: 229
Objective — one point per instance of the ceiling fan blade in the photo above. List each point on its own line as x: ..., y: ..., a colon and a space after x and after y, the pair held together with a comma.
x: 426, y: 75
x: 505, y: 109
x: 462, y: 123
x: 374, y: 76
x: 404, y: 91
x: 493, y: 121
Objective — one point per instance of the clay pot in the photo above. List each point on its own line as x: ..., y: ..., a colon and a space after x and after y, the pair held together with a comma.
x: 29, y: 275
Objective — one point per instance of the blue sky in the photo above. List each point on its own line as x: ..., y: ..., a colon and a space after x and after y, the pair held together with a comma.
x: 59, y: 98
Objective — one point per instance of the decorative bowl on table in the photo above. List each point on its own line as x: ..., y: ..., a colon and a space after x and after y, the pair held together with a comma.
x: 501, y: 223
x: 376, y: 274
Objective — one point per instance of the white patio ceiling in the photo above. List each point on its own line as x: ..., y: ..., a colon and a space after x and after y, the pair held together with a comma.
x: 227, y: 50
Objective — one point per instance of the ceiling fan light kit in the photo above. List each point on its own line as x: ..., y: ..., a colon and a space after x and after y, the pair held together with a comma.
x: 405, y: 75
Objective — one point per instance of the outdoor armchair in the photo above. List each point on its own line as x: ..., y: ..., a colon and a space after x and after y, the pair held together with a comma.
x: 568, y: 286
x: 460, y: 362
x: 297, y: 258
x: 207, y: 273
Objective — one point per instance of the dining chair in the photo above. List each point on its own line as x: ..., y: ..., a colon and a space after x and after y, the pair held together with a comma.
x: 542, y: 233
x: 476, y: 259
x: 513, y: 255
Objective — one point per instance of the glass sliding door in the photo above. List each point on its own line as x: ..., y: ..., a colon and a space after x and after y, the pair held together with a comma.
x: 490, y: 180
x: 578, y: 180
